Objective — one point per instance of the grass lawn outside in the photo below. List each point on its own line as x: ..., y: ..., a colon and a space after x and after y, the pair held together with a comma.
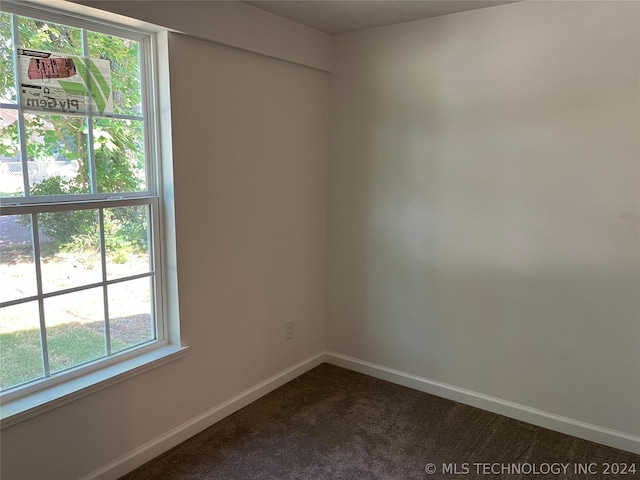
x: 75, y: 326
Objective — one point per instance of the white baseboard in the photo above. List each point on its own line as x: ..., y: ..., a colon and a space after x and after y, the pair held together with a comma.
x: 152, y: 449
x: 594, y: 433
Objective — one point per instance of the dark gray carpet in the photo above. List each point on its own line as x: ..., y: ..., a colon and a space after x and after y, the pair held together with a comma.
x: 331, y: 423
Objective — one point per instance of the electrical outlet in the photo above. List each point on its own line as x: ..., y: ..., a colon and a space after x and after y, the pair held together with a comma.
x: 288, y: 329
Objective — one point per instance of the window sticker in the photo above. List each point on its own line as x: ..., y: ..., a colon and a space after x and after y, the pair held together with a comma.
x: 57, y: 82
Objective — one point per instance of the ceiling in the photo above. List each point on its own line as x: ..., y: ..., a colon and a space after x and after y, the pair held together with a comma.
x: 333, y: 17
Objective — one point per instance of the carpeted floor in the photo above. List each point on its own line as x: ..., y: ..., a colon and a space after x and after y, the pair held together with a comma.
x: 331, y: 423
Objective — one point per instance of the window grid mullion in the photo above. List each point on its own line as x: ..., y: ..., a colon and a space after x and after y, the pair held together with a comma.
x: 115, y: 116
x: 105, y: 293
x: 87, y: 286
x: 21, y: 129
x: 109, y: 202
x: 89, y: 123
x: 91, y: 155
x: 43, y: 327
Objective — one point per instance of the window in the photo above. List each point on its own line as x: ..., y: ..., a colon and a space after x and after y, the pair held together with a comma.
x: 80, y: 252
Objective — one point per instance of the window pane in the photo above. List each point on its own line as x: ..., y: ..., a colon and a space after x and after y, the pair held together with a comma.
x: 75, y: 328
x: 7, y: 78
x: 21, y: 352
x: 130, y: 314
x: 119, y: 152
x: 11, y: 177
x: 125, y: 70
x: 68, y: 158
x: 48, y: 36
x: 17, y: 269
x: 57, y: 152
x: 126, y: 242
x: 69, y: 249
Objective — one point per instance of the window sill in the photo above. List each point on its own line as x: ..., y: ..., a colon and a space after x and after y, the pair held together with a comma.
x: 16, y: 411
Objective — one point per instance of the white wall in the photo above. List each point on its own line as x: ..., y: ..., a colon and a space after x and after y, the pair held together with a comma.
x: 483, y: 223
x: 484, y: 204
x: 250, y: 158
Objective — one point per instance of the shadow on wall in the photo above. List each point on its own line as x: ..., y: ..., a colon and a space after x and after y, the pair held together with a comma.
x: 484, y: 224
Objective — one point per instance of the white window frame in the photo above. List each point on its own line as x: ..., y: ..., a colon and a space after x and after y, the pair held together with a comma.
x: 25, y: 401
